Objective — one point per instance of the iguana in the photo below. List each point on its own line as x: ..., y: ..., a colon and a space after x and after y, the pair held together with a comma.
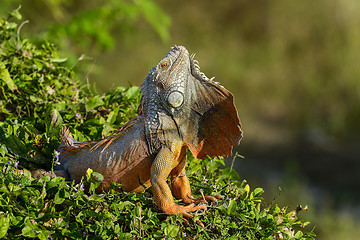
x: 180, y: 107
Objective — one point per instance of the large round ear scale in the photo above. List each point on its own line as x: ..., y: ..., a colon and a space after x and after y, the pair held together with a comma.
x: 175, y: 99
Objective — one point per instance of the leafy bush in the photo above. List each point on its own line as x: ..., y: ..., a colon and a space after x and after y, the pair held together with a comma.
x: 37, y: 96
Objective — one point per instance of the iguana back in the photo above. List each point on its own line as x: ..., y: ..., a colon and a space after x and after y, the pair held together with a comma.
x: 125, y: 152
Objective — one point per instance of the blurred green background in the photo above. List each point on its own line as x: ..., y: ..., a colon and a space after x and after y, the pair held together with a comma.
x: 293, y: 66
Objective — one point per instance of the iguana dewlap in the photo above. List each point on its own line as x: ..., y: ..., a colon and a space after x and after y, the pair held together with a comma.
x: 180, y: 108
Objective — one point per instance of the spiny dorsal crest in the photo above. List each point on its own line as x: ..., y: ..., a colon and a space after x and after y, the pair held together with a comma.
x: 195, y: 69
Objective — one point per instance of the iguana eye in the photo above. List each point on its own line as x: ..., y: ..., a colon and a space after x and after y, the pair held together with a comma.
x: 165, y: 64
x: 175, y: 99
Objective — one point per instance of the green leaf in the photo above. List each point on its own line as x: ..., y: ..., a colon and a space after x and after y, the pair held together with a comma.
x: 97, y: 177
x: 232, y: 207
x: 58, y: 199
x: 247, y: 188
x: 112, y: 116
x: 11, y: 26
x: 93, y: 103
x: 56, y: 119
x: 96, y: 198
x: 43, y: 193
x: 132, y: 92
x: 5, y: 76
x: 298, y: 234
x: 16, y: 14
x: 4, y: 225
x: 42, y: 236
x: 60, y: 106
x: 171, y: 230
x: 257, y: 192
x: 28, y: 231
x: 14, y: 143
x: 15, y: 220
x: 3, y: 150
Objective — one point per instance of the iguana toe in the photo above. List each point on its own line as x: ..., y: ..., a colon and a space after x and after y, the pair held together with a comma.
x: 185, y: 210
x: 206, y: 199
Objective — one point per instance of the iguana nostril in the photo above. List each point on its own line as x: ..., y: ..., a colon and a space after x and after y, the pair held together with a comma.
x: 175, y: 99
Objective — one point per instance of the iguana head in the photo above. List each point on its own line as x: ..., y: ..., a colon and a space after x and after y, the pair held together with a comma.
x: 176, y: 93
x: 169, y: 77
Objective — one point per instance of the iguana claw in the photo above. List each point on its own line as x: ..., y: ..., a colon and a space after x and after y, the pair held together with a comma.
x: 207, y: 198
x: 185, y: 210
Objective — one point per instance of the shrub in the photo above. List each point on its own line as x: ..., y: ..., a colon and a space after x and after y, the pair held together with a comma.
x: 37, y: 96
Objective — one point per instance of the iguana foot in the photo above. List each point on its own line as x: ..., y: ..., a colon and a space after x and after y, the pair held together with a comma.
x: 201, y: 200
x: 184, y: 210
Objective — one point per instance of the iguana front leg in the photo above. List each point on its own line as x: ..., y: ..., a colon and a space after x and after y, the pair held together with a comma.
x: 160, y: 170
x: 181, y: 187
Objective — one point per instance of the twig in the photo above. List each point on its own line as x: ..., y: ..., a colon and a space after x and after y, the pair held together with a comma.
x: 19, y: 28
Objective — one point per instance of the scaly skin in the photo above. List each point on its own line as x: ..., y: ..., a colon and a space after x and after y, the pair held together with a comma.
x: 180, y: 108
